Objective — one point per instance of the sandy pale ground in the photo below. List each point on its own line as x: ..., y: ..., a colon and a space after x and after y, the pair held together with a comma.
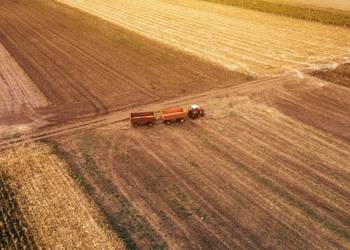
x: 242, y: 40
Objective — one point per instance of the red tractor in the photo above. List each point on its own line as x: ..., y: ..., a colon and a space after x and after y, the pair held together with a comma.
x: 195, y: 111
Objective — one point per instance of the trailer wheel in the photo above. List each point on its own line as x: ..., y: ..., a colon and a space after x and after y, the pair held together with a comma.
x: 136, y: 125
x: 150, y: 124
x: 181, y: 120
x: 167, y: 122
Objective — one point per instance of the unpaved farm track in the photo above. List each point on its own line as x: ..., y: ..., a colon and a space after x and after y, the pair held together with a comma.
x: 85, y: 66
x: 253, y: 173
x: 305, y: 108
x: 242, y: 40
x: 121, y: 116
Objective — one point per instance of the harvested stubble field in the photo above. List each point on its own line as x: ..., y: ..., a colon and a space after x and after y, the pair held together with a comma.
x: 57, y: 214
x: 14, y: 233
x: 82, y: 66
x: 267, y: 167
x: 243, y: 40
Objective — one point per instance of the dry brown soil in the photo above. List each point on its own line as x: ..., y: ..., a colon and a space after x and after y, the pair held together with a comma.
x: 266, y: 167
x: 339, y: 75
x: 85, y: 66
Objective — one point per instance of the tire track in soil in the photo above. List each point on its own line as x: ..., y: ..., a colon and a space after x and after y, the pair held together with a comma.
x: 82, y: 77
x: 121, y: 117
x: 229, y: 179
x: 82, y: 92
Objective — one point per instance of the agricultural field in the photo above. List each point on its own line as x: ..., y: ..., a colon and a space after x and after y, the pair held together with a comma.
x: 80, y: 66
x: 247, y: 41
x: 19, y: 96
x: 56, y: 213
x: 339, y: 75
x: 330, y: 4
x: 14, y: 230
x: 267, y: 167
x: 324, y: 11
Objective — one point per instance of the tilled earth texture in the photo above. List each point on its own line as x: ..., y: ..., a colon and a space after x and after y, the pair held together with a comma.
x: 267, y: 167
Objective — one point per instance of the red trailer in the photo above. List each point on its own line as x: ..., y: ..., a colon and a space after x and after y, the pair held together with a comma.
x: 174, y: 114
x: 142, y: 118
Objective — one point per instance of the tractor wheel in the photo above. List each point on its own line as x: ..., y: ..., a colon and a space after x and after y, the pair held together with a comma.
x: 195, y: 116
x: 191, y: 114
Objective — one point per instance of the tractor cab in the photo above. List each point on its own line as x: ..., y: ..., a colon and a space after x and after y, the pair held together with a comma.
x: 195, y: 111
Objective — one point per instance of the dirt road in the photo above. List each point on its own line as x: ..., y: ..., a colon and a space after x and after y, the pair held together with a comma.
x: 121, y: 117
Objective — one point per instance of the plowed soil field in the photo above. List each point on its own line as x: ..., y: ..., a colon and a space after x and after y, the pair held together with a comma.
x: 19, y: 96
x: 243, y: 40
x: 339, y: 75
x: 266, y: 167
x: 77, y: 65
